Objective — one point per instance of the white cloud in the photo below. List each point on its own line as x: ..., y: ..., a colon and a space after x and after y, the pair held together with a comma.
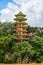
x: 32, y: 8
x: 7, y: 14
x: 13, y: 7
x: 20, y: 2
x: 5, y: 11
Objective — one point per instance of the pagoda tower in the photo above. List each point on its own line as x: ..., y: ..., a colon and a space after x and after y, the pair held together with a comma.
x: 20, y: 26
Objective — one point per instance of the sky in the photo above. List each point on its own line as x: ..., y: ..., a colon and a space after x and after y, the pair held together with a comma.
x: 32, y: 8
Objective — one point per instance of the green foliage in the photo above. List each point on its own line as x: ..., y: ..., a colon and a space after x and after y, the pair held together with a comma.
x: 12, y: 51
x: 32, y: 29
x: 22, y: 50
x: 37, y: 44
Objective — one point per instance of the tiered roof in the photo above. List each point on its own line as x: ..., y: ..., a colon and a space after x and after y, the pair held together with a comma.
x: 20, y: 14
x: 20, y: 26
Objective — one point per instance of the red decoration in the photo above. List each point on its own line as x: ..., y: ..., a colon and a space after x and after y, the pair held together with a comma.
x: 30, y: 34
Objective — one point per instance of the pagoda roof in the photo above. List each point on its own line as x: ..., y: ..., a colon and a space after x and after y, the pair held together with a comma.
x: 20, y: 14
x: 19, y: 26
x: 24, y: 23
x: 20, y: 19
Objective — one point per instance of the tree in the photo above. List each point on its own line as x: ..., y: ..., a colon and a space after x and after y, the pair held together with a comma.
x: 37, y: 44
x: 22, y: 51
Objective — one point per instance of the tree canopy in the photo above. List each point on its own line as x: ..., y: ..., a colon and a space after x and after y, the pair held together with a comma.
x: 12, y: 51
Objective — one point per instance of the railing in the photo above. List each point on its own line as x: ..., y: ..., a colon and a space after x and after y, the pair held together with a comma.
x: 20, y: 30
x: 22, y: 38
x: 21, y: 34
x: 20, y: 26
x: 21, y: 19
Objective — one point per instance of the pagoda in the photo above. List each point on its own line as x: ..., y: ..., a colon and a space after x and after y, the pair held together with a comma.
x: 20, y: 26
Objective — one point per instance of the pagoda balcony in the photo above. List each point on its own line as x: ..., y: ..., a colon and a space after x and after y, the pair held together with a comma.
x: 22, y: 38
x: 21, y: 26
x: 20, y: 19
x: 21, y: 34
x: 20, y: 30
x: 24, y: 23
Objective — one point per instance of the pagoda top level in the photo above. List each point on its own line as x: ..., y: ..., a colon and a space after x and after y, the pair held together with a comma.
x: 20, y: 17
x: 20, y: 14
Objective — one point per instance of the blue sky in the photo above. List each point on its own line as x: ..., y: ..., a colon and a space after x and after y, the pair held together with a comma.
x: 32, y: 8
x: 3, y: 3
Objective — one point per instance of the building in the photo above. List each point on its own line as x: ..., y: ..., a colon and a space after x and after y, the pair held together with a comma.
x: 20, y: 26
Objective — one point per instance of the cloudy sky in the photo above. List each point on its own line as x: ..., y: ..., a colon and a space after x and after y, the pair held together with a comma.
x: 32, y: 8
